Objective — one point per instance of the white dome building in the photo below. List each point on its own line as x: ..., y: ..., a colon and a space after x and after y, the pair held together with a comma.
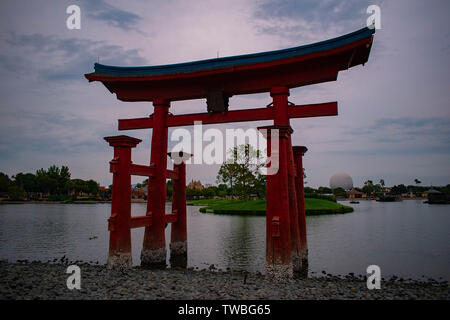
x: 341, y: 180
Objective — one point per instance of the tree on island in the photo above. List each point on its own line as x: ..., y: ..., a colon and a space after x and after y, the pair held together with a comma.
x: 27, y: 181
x: 339, y: 192
x: 368, y: 187
x: 241, y: 171
x: 5, y: 182
x: 311, y: 190
x: 324, y: 190
x: 78, y: 185
x: 54, y: 180
x: 227, y: 173
x: 371, y: 188
x: 16, y: 193
x: 399, y: 189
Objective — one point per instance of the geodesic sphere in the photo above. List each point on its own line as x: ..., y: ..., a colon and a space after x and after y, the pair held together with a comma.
x: 341, y: 180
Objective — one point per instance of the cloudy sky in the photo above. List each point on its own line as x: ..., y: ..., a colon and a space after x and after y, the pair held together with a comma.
x: 394, y: 115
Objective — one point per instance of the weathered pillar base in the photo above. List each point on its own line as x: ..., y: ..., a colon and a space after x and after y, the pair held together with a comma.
x: 119, y: 261
x: 178, y: 248
x: 154, y: 259
x: 178, y: 254
x: 279, y: 272
x: 304, y: 254
x: 304, y: 271
x: 296, y: 262
x: 304, y: 264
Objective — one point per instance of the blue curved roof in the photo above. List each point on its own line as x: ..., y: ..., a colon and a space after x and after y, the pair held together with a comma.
x: 235, y: 61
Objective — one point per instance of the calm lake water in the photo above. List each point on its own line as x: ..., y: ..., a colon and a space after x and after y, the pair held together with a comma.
x: 407, y: 239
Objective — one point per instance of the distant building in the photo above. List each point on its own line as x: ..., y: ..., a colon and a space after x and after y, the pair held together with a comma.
x: 430, y: 191
x: 437, y: 197
x: 139, y: 193
x: 79, y: 194
x: 355, y: 194
x: 197, y: 185
x: 253, y: 196
x: 102, y: 191
x: 341, y: 180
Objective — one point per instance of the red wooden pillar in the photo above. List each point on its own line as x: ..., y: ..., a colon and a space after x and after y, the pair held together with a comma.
x: 178, y: 241
x: 154, y: 246
x: 278, y: 240
x: 299, y: 152
x: 280, y: 104
x: 293, y: 212
x: 119, y: 222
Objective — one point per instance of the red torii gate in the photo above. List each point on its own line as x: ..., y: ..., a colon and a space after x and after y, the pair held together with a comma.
x: 217, y: 80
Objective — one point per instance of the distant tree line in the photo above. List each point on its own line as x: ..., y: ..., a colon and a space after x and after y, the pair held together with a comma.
x: 338, y: 192
x: 370, y: 188
x: 222, y: 191
x: 401, y: 188
x: 53, y: 183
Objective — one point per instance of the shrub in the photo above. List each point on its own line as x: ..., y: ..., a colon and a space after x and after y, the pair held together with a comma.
x: 16, y: 193
x: 58, y: 197
x: 320, y: 196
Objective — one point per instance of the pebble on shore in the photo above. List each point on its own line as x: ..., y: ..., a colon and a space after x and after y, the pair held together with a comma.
x: 37, y: 280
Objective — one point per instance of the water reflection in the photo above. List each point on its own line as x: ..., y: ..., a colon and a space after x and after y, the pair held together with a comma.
x: 243, y: 241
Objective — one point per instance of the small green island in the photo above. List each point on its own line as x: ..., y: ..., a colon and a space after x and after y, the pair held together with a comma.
x: 258, y: 207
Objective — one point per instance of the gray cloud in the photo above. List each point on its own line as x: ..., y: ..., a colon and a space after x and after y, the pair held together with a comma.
x: 63, y: 59
x: 112, y: 15
x: 48, y: 132
x: 312, y: 10
x: 407, y: 137
x: 406, y: 127
x: 393, y: 150
x: 305, y: 20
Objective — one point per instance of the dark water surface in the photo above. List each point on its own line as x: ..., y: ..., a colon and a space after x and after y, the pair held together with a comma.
x: 407, y: 239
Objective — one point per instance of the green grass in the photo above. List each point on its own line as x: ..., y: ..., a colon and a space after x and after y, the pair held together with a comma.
x: 208, y: 202
x: 321, y: 206
x: 258, y: 207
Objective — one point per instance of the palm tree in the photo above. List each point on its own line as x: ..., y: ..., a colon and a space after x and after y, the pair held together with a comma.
x: 368, y: 187
x: 382, y: 185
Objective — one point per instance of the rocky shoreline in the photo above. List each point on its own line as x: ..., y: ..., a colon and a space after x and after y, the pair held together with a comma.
x: 37, y: 280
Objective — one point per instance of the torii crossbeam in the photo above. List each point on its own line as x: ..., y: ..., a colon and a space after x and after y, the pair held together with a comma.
x: 304, y: 111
